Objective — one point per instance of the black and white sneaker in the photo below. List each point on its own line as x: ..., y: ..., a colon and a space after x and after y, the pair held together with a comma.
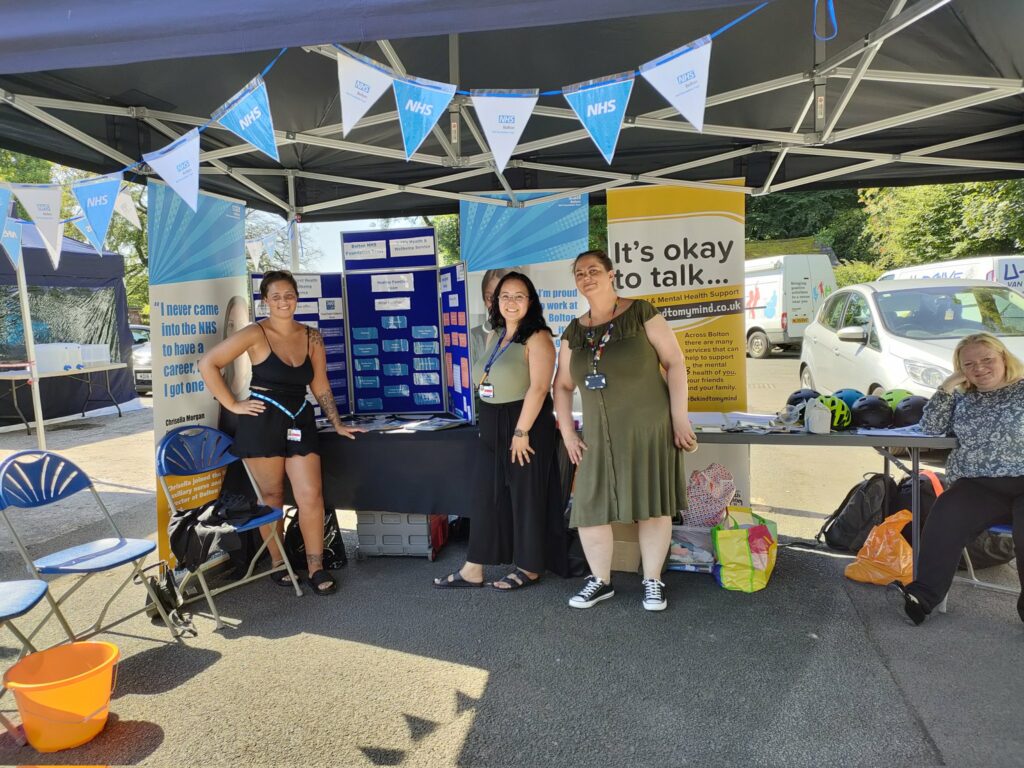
x: 654, y: 595
x: 593, y: 592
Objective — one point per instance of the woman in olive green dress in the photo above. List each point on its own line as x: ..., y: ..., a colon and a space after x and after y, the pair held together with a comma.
x: 636, y: 425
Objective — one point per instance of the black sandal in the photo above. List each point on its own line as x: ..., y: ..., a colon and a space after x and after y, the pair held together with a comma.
x: 518, y: 579
x: 455, y: 581
x: 320, y: 578
x: 281, y: 578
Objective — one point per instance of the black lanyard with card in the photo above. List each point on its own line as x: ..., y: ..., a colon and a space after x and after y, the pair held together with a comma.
x: 595, y: 380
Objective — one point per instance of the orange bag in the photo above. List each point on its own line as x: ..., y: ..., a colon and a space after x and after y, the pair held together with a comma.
x: 885, y: 556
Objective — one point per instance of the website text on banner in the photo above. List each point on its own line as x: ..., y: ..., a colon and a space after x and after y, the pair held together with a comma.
x: 197, y: 294
x: 682, y: 250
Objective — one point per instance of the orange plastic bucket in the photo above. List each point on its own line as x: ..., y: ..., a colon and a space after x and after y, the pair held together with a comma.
x: 63, y: 693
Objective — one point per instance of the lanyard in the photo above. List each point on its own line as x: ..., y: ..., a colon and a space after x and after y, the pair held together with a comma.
x: 497, y: 352
x: 597, y: 350
x: 280, y: 407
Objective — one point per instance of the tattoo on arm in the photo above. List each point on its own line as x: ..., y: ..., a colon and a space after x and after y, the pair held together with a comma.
x: 330, y: 410
x: 316, y: 338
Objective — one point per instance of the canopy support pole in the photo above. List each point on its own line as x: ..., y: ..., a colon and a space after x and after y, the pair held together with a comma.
x: 293, y: 222
x: 30, y: 352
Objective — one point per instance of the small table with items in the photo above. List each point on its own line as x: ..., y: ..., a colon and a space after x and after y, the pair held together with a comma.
x: 22, y: 378
x: 882, y: 443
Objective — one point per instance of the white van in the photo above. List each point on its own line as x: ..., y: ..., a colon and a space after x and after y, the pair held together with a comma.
x: 782, y: 295
x: 1008, y: 270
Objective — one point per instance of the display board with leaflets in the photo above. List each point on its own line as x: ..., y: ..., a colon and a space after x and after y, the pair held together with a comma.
x: 455, y: 336
x: 320, y: 306
x: 394, y: 321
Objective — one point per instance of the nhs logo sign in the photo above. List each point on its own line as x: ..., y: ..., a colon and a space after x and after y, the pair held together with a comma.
x: 509, y: 120
x: 362, y: 87
x: 601, y: 108
x: 686, y: 77
x: 419, y: 108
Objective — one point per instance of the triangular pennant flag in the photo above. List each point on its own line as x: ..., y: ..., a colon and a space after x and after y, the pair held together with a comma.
x: 420, y: 104
x: 682, y: 78
x: 503, y: 116
x: 270, y: 244
x: 82, y: 225
x: 42, y: 203
x: 601, y: 106
x: 97, y: 199
x: 254, y: 248
x: 10, y: 239
x: 178, y: 165
x: 5, y: 205
x: 125, y: 205
x: 361, y: 81
x: 247, y: 115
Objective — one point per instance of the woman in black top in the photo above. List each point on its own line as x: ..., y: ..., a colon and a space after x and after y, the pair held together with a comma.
x: 276, y: 433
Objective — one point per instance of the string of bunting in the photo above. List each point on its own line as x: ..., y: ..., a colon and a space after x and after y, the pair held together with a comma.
x: 680, y: 76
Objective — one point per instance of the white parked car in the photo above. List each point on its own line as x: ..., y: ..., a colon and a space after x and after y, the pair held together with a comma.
x: 901, y: 333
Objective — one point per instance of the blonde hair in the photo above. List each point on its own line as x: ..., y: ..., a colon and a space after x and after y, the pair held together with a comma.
x: 1014, y: 367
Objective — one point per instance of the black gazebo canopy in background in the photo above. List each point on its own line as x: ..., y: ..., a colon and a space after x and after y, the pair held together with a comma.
x: 908, y: 92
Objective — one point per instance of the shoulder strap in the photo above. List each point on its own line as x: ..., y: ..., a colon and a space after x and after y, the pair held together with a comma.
x: 936, y: 483
x: 307, y: 340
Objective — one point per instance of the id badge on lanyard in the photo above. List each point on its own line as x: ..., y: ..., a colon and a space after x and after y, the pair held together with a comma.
x: 486, y: 391
x: 294, y: 435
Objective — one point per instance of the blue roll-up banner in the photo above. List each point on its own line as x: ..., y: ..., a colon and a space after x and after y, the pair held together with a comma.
x: 601, y: 107
x: 503, y: 116
x: 11, y: 241
x: 97, y: 199
x: 247, y: 115
x: 178, y: 165
x: 681, y: 76
x: 361, y: 82
x: 420, y: 105
x: 42, y: 202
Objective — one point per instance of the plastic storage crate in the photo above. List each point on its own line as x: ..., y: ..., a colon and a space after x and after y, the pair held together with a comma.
x: 397, y: 533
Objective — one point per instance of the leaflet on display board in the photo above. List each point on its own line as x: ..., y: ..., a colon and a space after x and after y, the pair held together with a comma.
x: 455, y: 331
x: 394, y: 321
x: 320, y: 306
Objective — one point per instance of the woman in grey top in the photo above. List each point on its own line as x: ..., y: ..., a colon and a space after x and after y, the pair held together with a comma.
x: 982, y: 405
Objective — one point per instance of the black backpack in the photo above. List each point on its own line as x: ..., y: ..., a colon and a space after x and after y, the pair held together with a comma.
x: 334, y: 547
x: 931, y: 484
x: 866, y: 505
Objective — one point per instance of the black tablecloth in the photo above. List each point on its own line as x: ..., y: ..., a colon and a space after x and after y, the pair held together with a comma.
x: 427, y: 473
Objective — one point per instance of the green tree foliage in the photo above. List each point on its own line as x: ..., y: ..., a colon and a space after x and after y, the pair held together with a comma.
x: 446, y: 230
x: 22, y: 169
x: 918, y: 225
x: 598, y: 239
x: 852, y: 272
x: 796, y: 214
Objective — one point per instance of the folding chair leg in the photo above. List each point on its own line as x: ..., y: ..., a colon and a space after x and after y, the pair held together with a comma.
x: 209, y: 599
x: 287, y: 562
x: 970, y: 567
x: 25, y: 642
x: 14, y: 730
x: 55, y: 609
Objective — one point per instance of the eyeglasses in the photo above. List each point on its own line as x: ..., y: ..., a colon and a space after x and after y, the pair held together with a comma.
x: 282, y: 297
x: 518, y: 298
x: 592, y: 273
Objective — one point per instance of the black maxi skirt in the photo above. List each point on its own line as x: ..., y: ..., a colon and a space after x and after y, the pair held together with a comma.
x: 519, y: 517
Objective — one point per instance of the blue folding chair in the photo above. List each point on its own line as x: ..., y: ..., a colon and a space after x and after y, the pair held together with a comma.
x: 31, y: 479
x: 193, y: 450
x: 972, y: 578
x: 16, y: 599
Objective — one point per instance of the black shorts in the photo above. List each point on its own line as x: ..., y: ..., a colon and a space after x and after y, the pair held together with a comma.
x: 266, y: 434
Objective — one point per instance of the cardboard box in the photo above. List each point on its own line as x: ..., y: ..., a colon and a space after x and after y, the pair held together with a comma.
x: 626, y: 550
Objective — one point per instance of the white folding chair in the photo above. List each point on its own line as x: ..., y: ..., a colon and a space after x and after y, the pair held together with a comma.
x: 194, y: 450
x: 32, y: 479
x: 16, y: 599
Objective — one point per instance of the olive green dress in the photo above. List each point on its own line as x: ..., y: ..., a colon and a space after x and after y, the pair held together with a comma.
x: 631, y: 469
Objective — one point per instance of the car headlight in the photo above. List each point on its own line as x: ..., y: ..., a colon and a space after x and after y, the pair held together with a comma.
x: 925, y: 373
x: 142, y: 359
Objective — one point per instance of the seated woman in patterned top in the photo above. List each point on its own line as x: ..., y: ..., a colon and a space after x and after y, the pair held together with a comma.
x: 982, y: 405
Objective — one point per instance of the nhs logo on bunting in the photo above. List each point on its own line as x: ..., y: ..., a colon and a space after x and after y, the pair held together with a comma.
x: 178, y: 165
x: 11, y: 240
x: 503, y: 117
x: 247, y: 115
x: 361, y: 81
x: 420, y: 104
x: 601, y: 106
x: 681, y: 77
x: 97, y: 199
